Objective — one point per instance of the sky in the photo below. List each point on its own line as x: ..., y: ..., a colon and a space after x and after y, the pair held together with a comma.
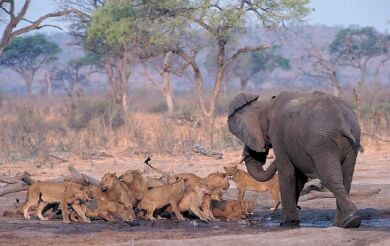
x: 344, y: 13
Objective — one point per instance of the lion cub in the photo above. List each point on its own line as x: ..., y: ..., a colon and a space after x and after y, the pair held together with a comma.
x: 206, y: 204
x: 232, y: 209
x: 161, y: 196
x: 246, y: 182
x: 65, y: 194
x: 192, y: 200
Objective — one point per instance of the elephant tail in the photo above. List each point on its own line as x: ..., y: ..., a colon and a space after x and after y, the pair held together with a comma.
x: 352, y: 140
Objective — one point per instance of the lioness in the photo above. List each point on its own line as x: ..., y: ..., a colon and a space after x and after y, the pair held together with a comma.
x: 232, y: 209
x: 193, y: 179
x: 192, y: 200
x: 246, y: 182
x: 214, y: 181
x: 217, y: 181
x: 135, y: 182
x: 110, y: 211
x: 161, y: 196
x: 117, y: 191
x: 65, y: 194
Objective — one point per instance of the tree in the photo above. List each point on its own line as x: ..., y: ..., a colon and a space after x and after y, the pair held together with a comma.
x: 14, y: 18
x: 26, y: 55
x: 320, y: 65
x: 218, y: 21
x: 356, y: 46
x: 151, y: 67
x: 114, y: 32
x: 248, y: 65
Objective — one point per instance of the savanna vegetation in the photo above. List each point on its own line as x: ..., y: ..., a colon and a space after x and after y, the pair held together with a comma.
x: 157, y: 76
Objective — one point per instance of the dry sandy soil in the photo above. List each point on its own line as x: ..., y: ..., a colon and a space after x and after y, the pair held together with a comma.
x: 372, y: 172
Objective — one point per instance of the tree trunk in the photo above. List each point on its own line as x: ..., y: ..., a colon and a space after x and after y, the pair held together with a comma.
x: 358, y: 107
x: 28, y: 79
x: 243, y: 83
x: 48, y: 84
x: 118, y: 72
x: 337, y: 91
x: 167, y: 88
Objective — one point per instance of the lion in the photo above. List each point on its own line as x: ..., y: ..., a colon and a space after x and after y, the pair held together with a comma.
x: 102, y: 207
x: 135, y: 182
x: 214, y: 181
x: 45, y: 192
x: 192, y: 200
x: 232, y: 209
x: 246, y: 182
x: 107, y: 210
x: 155, y: 182
x: 217, y: 181
x: 206, y: 207
x: 117, y: 191
x: 161, y: 196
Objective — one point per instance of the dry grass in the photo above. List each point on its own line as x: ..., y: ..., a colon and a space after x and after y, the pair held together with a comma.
x: 36, y: 127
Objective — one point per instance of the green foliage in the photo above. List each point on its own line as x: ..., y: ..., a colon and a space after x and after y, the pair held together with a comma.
x: 354, y: 44
x: 113, y: 25
x: 29, y: 53
x: 247, y: 65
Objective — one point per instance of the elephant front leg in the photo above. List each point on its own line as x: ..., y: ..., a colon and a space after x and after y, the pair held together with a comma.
x: 288, y: 189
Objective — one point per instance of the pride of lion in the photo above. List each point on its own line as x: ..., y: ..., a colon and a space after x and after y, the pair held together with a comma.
x: 131, y: 196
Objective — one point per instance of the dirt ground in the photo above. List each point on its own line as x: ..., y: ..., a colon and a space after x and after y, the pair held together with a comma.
x: 372, y: 172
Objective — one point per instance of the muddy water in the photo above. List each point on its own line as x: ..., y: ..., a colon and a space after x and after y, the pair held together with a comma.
x: 321, y: 218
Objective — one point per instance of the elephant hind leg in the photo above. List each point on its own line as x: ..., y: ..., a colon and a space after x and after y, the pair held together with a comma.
x: 337, y: 179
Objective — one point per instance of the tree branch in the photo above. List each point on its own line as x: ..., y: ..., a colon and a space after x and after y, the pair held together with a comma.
x: 244, y: 50
x: 36, y: 24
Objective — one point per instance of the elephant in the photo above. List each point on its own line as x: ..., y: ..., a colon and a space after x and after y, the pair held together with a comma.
x: 313, y: 135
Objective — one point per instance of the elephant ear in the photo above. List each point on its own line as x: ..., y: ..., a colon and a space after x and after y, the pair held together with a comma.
x: 244, y: 121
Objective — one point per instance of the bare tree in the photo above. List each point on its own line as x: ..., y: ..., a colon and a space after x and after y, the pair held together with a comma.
x: 317, y: 64
x: 15, y: 17
x: 169, y: 66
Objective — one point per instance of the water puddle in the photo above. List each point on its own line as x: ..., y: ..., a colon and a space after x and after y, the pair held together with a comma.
x: 322, y: 218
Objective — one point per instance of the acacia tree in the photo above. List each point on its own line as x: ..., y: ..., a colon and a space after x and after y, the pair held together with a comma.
x: 26, y: 55
x: 113, y: 32
x: 219, y: 21
x: 248, y: 65
x: 14, y: 17
x: 356, y: 46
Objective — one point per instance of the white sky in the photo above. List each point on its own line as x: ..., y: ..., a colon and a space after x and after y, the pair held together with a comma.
x: 374, y: 13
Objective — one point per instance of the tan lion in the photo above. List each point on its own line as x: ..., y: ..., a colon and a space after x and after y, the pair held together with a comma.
x: 232, y: 209
x: 135, y: 182
x: 246, y: 182
x: 110, y: 211
x: 161, y: 196
x: 104, y: 208
x: 117, y: 191
x: 214, y: 181
x: 192, y: 200
x: 65, y: 194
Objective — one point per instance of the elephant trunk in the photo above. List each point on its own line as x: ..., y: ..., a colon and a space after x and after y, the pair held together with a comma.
x: 255, y: 169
